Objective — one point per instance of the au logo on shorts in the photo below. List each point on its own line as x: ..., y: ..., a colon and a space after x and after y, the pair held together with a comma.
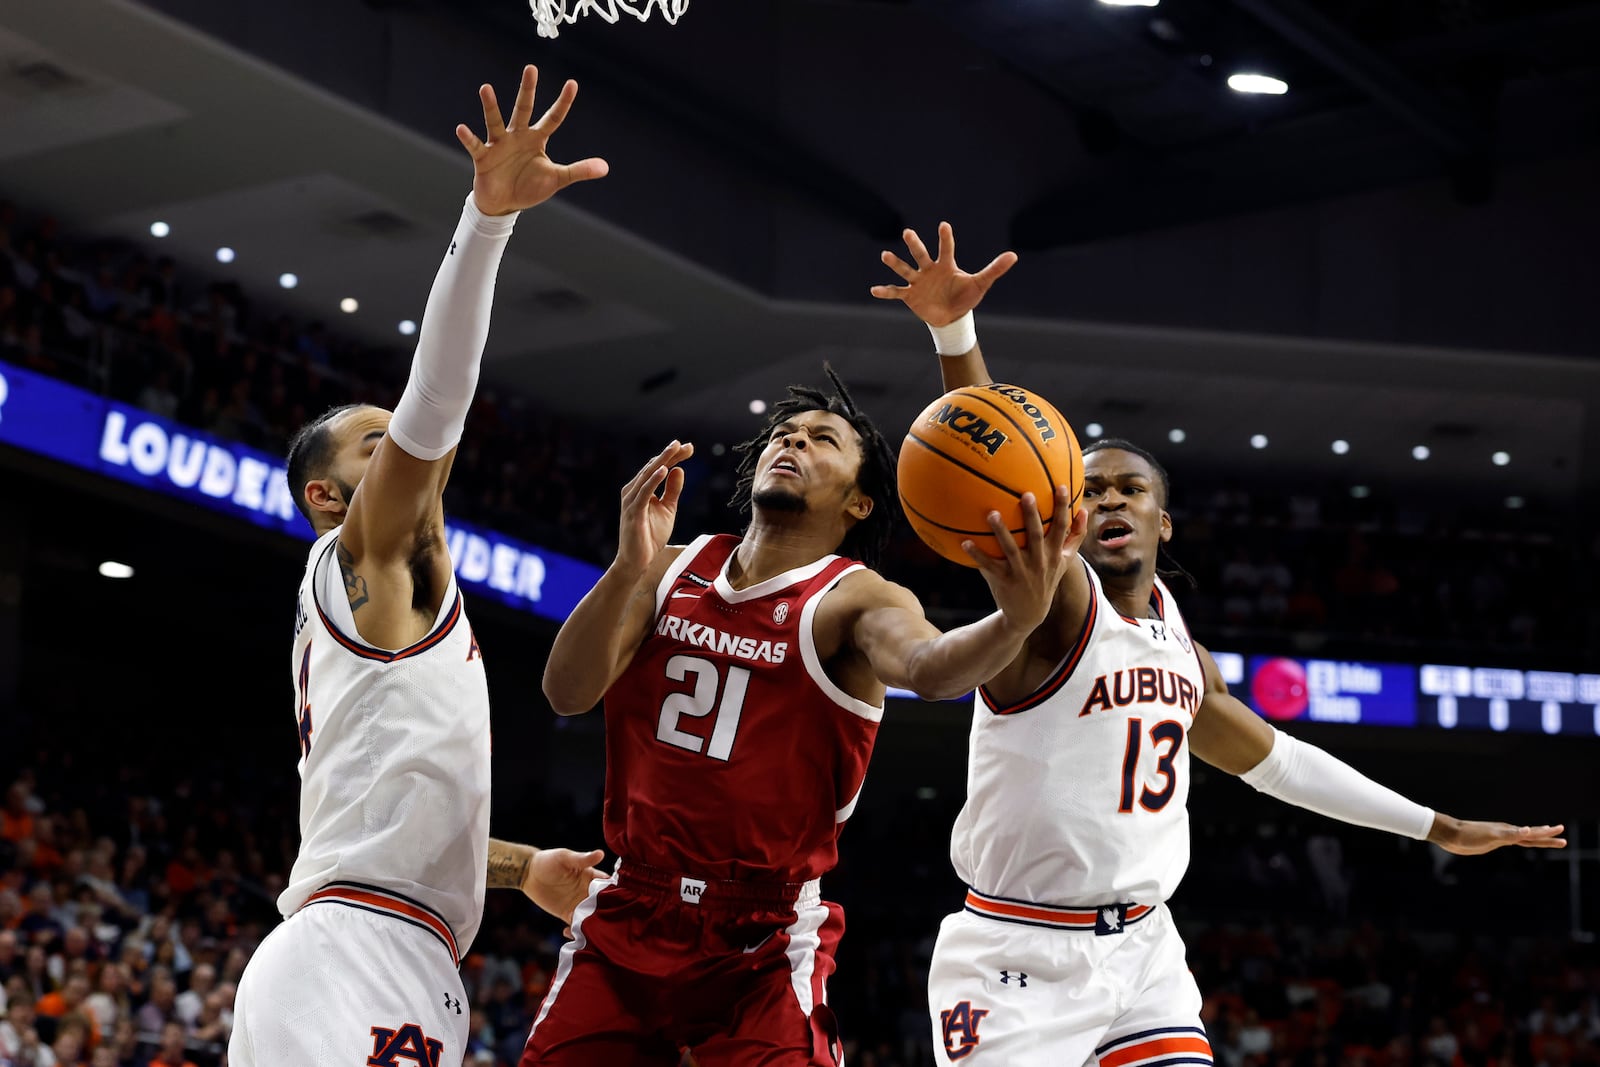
x: 408, y: 1042
x: 961, y: 1029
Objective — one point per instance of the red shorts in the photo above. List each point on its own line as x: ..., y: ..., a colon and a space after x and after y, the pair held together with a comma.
x: 658, y: 964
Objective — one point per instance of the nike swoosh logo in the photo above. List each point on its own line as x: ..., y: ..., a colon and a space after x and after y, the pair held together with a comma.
x: 758, y: 944
x: 690, y: 596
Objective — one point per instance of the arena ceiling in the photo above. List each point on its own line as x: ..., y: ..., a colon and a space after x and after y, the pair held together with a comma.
x: 1399, y: 251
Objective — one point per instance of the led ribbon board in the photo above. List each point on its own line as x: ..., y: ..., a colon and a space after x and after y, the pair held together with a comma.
x: 62, y: 422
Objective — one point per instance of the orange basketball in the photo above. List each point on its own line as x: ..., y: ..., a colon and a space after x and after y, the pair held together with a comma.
x: 977, y: 449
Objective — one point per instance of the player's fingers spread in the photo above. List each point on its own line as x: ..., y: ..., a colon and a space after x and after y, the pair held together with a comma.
x: 469, y: 140
x: 947, y: 243
x: 1007, y: 542
x: 890, y: 292
x: 899, y: 266
x: 1032, y: 523
x: 997, y: 266
x: 556, y: 114
x: 986, y: 563
x: 522, y: 107
x: 493, y: 124
x: 585, y: 170
x: 918, y: 250
x: 1079, y: 530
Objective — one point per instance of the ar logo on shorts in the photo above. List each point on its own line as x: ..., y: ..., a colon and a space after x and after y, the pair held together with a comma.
x: 389, y: 1047
x: 961, y: 1029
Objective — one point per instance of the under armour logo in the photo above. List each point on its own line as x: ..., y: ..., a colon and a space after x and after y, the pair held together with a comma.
x: 1022, y: 979
x: 451, y: 1003
x: 1160, y: 634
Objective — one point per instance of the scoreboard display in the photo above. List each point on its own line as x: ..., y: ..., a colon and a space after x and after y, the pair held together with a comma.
x: 1428, y: 696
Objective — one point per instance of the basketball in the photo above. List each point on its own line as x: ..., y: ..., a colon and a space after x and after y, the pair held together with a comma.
x: 978, y: 449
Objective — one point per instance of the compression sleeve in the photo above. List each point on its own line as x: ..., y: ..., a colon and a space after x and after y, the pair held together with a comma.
x: 1306, y: 776
x: 433, y: 409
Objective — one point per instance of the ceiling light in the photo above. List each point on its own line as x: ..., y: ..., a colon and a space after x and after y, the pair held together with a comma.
x: 1360, y: 492
x: 1130, y: 3
x: 758, y: 407
x: 288, y: 279
x: 1176, y: 436
x: 112, y: 569
x: 1258, y: 440
x: 224, y: 254
x: 1257, y: 83
x: 348, y: 305
x: 1340, y: 447
x: 1501, y: 458
x: 719, y: 449
x: 1094, y: 429
x: 1514, y: 502
x: 1421, y: 452
x: 408, y: 327
x: 159, y: 229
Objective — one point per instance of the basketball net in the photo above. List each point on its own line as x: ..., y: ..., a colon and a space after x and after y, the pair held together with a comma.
x: 551, y: 14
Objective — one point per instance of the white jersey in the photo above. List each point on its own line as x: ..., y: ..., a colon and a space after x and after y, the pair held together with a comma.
x: 394, y: 763
x: 1078, y: 794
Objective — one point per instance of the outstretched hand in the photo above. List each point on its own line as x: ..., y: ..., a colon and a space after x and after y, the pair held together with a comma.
x: 647, y: 519
x: 511, y: 170
x: 558, y: 879
x: 937, y: 290
x: 1024, y: 581
x: 1466, y: 838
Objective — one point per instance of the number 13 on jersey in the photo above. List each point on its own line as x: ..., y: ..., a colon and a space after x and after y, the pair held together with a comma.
x: 1168, y: 733
x: 698, y: 704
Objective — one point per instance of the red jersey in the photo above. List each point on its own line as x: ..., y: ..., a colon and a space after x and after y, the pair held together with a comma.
x: 730, y: 754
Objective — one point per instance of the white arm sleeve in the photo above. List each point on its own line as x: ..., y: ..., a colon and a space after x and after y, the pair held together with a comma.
x: 1310, y: 778
x: 444, y: 373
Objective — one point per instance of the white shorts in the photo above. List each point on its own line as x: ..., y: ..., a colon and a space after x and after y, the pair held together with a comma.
x: 334, y: 984
x: 1024, y: 995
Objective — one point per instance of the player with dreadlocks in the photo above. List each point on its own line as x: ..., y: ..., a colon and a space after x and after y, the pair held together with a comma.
x: 1076, y: 826
x: 743, y: 679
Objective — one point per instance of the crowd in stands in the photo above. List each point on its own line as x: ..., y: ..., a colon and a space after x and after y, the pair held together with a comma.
x: 132, y: 897
x: 1351, y: 576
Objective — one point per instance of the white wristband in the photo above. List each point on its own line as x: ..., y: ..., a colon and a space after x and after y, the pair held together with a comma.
x: 956, y: 339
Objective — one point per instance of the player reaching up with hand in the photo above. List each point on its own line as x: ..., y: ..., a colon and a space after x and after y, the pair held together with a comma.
x: 1076, y: 826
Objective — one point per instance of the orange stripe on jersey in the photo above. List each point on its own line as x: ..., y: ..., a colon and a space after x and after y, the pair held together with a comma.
x: 1011, y: 909
x: 1161, y: 1046
x: 393, y: 904
x: 367, y: 652
x: 1056, y: 680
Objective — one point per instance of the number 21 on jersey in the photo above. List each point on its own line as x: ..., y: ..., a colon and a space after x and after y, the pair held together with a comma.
x: 699, y: 703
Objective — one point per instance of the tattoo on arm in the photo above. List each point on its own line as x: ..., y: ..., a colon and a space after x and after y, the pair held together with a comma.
x: 508, y: 864
x: 355, y: 586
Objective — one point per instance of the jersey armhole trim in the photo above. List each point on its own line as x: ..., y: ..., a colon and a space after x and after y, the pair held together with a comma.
x: 678, y: 566
x: 365, y: 651
x: 1060, y: 675
x: 813, y: 662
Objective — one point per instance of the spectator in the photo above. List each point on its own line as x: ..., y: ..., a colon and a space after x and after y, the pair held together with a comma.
x: 173, y: 1051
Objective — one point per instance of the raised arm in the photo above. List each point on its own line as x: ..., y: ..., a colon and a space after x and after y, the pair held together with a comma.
x: 395, y: 518
x: 944, y: 296
x: 598, y: 640
x: 1232, y: 738
x: 885, y: 622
